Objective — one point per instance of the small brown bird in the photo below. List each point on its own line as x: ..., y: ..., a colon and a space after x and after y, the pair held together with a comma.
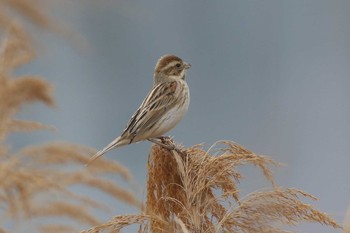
x: 164, y: 106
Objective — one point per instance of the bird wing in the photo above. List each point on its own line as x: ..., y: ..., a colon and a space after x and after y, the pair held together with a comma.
x: 156, y: 104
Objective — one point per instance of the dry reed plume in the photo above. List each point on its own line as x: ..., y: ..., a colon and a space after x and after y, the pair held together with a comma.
x: 195, y: 191
x: 33, y: 185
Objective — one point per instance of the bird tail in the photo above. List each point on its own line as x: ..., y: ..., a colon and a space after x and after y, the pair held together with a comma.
x: 118, y: 142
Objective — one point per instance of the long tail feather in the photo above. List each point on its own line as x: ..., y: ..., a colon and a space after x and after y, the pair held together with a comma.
x: 118, y: 142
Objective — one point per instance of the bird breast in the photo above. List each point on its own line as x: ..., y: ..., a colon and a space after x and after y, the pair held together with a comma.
x: 177, y: 112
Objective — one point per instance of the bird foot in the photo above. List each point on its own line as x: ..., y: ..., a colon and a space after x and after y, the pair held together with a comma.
x: 165, y: 139
x: 165, y: 142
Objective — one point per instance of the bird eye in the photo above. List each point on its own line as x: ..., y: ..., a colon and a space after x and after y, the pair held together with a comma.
x: 178, y: 65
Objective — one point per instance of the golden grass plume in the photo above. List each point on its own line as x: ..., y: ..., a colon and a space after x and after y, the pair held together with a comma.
x: 36, y: 182
x: 195, y: 191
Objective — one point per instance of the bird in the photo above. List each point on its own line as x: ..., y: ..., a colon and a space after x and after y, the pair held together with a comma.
x: 161, y: 110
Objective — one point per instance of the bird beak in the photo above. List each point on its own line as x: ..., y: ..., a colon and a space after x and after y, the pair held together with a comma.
x: 187, y: 66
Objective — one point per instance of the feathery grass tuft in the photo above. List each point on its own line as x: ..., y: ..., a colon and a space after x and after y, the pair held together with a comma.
x: 36, y: 182
x: 195, y: 191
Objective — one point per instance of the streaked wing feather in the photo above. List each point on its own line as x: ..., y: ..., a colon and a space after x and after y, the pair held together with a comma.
x: 158, y: 101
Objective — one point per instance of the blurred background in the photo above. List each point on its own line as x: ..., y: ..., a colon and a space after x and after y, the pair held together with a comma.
x: 270, y: 75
